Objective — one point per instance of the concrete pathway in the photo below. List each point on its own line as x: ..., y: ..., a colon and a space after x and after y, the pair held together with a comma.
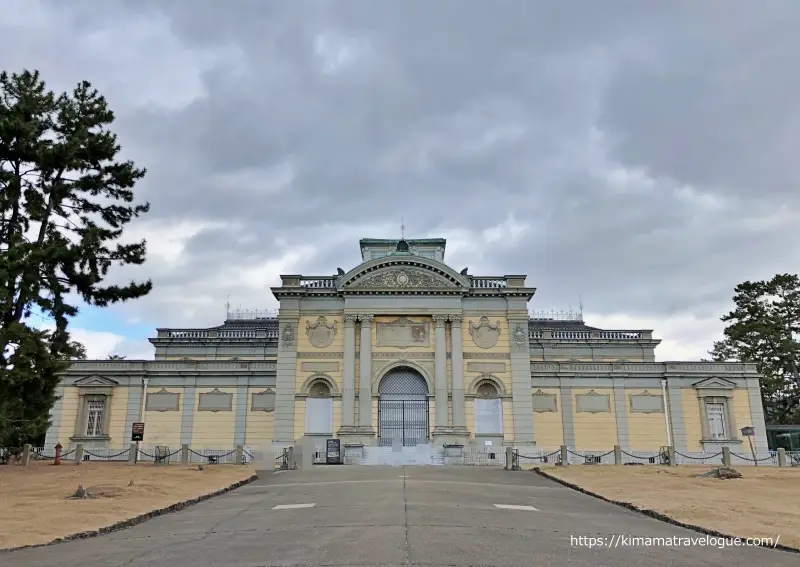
x: 391, y: 516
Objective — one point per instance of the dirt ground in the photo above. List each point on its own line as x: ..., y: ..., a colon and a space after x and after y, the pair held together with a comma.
x: 34, y: 507
x: 764, y: 503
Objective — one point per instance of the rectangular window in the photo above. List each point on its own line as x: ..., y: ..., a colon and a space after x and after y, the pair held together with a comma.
x: 95, y: 416
x: 319, y: 415
x: 716, y: 420
x: 488, y: 416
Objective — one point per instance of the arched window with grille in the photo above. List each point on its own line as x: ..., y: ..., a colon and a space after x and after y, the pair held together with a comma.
x: 319, y: 409
x: 488, y: 410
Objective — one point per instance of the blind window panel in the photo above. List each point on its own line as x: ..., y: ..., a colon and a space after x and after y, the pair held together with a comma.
x: 319, y: 415
x: 488, y: 416
x: 716, y: 420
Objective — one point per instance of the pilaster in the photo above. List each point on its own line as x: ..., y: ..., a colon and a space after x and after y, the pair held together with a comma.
x: 621, y: 414
x: 676, y: 419
x: 365, y: 374
x: 187, y: 410
x: 51, y: 438
x: 240, y: 420
x: 286, y: 374
x: 134, y: 410
x: 521, y: 392
x: 457, y: 362
x: 567, y: 416
x: 440, y: 368
x: 349, y: 371
x: 757, y: 415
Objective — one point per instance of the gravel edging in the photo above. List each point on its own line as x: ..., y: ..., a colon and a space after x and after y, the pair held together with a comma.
x: 653, y: 514
x: 121, y: 525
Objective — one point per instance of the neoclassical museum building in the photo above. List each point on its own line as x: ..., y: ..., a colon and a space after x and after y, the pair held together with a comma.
x: 404, y: 351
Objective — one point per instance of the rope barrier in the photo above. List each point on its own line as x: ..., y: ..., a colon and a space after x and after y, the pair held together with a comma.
x: 107, y: 457
x: 638, y: 457
x: 249, y: 455
x: 590, y: 456
x: 518, y: 455
x: 714, y: 456
x: 751, y: 459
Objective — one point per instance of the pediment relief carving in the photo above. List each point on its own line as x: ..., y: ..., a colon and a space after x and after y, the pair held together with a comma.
x: 484, y: 334
x: 401, y: 277
x: 320, y: 333
x: 96, y: 381
x: 715, y: 383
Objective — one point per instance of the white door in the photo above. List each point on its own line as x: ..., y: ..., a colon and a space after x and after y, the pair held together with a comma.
x: 488, y: 416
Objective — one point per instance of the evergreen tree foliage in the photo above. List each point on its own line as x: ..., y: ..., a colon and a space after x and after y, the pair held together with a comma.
x: 764, y: 328
x: 64, y: 201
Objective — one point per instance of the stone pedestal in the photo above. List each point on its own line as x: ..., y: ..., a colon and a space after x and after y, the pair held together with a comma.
x: 357, y: 435
x: 450, y: 436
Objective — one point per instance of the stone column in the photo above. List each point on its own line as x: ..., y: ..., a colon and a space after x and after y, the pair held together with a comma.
x: 365, y: 374
x: 349, y: 386
x: 440, y: 366
x: 457, y: 360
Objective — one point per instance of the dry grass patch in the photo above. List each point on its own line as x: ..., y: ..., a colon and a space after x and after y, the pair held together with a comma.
x: 761, y: 504
x: 36, y: 509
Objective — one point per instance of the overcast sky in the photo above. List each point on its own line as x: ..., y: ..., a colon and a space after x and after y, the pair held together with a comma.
x: 642, y: 155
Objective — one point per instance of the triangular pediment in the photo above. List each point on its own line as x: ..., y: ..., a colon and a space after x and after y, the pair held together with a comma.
x: 96, y: 381
x: 716, y: 383
x: 397, y: 275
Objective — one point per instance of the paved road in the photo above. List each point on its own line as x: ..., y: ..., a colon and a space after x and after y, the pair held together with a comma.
x: 391, y: 516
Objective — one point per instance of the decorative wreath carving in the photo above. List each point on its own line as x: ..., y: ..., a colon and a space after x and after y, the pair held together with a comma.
x: 320, y: 333
x: 484, y: 334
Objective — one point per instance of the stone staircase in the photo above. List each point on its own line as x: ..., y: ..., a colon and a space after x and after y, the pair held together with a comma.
x: 419, y: 455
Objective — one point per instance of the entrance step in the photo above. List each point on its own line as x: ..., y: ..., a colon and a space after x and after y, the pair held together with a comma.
x: 419, y: 455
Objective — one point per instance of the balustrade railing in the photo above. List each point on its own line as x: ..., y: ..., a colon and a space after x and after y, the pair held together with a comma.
x: 572, y: 334
x: 617, y: 335
x: 188, y: 334
x: 238, y: 333
x: 489, y: 283
x: 319, y: 283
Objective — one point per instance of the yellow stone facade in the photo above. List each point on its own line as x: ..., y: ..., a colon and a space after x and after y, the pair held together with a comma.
x: 505, y: 376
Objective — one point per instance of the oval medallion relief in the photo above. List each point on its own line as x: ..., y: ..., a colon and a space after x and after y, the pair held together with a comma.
x: 320, y: 334
x: 484, y: 334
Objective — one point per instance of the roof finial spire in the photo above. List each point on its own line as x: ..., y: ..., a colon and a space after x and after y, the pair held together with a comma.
x: 402, y: 228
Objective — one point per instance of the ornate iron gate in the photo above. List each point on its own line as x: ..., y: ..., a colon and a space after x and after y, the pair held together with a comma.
x: 403, y: 419
x: 403, y: 408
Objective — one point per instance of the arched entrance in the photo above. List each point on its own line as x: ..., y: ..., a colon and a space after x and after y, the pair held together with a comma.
x: 402, y: 408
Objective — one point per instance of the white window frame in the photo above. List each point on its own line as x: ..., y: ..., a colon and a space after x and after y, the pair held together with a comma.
x: 95, y: 417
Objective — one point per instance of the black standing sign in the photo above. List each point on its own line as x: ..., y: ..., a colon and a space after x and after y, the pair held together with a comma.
x: 333, y: 452
x: 137, y: 431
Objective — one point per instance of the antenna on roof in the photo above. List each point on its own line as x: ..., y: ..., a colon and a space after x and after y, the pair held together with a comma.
x: 580, y: 306
x: 228, y: 306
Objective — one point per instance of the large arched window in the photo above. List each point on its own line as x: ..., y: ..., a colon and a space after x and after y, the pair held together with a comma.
x: 488, y: 410
x: 319, y: 409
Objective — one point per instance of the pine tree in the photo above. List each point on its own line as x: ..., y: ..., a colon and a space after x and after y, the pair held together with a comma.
x: 64, y: 201
x: 764, y: 328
